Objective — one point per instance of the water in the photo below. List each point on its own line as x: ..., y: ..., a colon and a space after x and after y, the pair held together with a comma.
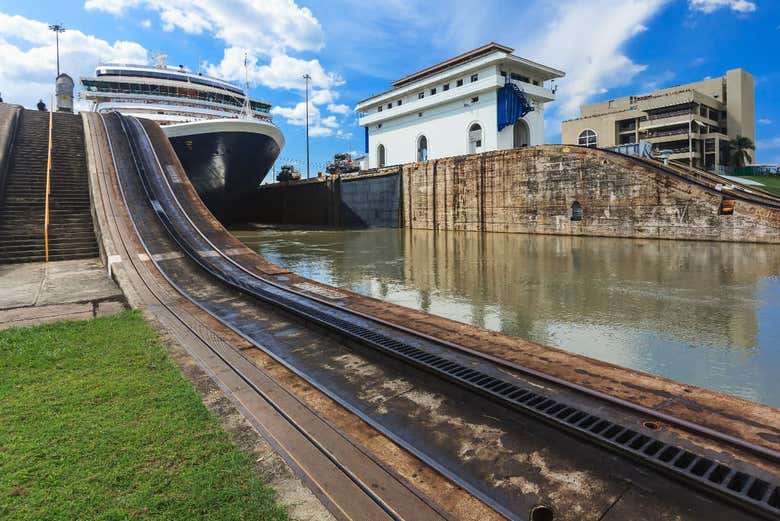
x: 703, y: 313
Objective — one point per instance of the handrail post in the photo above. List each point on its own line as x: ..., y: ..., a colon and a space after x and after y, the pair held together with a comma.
x: 48, y: 185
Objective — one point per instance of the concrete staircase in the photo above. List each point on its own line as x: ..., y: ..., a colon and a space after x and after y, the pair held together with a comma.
x: 71, y: 233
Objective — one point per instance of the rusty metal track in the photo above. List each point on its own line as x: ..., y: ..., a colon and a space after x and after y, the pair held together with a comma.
x: 348, y: 480
x: 738, y: 487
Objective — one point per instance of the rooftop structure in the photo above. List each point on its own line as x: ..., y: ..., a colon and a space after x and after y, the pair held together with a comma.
x: 482, y: 100
x: 692, y: 123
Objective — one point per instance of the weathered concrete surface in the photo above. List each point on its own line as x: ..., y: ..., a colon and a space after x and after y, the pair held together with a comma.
x: 9, y: 115
x: 371, y: 200
x: 532, y: 190
x: 37, y: 292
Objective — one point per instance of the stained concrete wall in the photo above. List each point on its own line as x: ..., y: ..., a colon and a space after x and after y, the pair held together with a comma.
x: 532, y: 190
x: 366, y: 200
x: 371, y: 200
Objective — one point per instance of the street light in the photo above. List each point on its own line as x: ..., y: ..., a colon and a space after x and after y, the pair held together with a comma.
x: 58, y: 28
x: 307, y: 77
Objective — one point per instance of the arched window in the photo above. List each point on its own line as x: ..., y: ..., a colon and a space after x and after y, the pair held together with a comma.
x: 475, y: 138
x: 576, y: 211
x: 380, y: 156
x: 588, y: 138
x: 520, y: 134
x: 422, y: 148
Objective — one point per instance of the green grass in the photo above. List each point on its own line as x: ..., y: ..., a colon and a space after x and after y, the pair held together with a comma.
x: 96, y: 422
x: 771, y: 183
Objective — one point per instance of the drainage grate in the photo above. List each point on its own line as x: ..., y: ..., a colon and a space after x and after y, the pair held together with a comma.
x: 761, y: 495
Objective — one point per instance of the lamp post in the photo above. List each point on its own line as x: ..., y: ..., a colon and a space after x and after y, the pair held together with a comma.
x: 307, y: 77
x: 58, y: 28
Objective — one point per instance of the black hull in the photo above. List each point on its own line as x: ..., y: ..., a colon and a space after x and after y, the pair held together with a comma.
x: 226, y: 167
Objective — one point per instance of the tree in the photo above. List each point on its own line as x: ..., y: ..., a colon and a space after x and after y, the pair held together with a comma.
x: 739, y: 151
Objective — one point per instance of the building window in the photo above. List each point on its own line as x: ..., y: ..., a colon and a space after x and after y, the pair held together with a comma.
x: 536, y: 82
x: 576, y: 211
x: 379, y: 108
x: 474, y: 77
x: 518, y: 77
x: 475, y: 138
x: 588, y: 138
x: 459, y: 83
x: 380, y: 156
x: 445, y: 87
x: 422, y: 148
x: 503, y: 73
x: 475, y: 99
x: 420, y: 95
x: 399, y: 102
x: 419, y: 114
x: 389, y: 105
x: 433, y: 91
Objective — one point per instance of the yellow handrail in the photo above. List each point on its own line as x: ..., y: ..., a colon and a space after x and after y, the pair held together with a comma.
x: 48, y: 184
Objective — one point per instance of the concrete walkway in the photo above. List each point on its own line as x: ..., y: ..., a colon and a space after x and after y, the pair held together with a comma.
x: 34, y: 293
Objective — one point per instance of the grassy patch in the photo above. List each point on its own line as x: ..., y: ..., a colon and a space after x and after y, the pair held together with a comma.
x: 771, y: 183
x: 97, y: 423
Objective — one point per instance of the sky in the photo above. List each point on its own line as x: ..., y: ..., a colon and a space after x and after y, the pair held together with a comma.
x: 353, y: 49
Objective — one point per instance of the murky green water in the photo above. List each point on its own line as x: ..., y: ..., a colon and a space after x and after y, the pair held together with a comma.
x: 703, y: 313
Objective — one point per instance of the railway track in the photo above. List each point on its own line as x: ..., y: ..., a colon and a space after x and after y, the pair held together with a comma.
x: 571, y: 412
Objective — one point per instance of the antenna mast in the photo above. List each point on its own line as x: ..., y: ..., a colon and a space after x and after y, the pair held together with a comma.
x: 247, y: 104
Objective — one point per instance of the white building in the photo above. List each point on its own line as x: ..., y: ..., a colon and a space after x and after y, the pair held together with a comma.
x: 485, y: 99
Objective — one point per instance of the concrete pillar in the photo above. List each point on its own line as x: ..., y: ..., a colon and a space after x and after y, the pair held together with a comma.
x: 64, y: 92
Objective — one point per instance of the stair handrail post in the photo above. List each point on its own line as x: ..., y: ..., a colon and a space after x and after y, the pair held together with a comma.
x: 48, y: 185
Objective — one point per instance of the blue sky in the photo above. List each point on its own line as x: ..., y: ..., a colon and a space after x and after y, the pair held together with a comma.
x: 352, y: 48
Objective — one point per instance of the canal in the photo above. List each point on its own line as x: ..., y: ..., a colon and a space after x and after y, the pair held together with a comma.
x: 703, y: 313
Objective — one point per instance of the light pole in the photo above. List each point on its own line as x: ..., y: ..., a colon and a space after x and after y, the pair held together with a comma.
x: 58, y: 28
x: 307, y: 77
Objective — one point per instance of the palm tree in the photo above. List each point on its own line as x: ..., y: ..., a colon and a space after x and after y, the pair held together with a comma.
x: 739, y: 151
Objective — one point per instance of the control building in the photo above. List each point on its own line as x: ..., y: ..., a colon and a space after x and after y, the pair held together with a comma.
x: 693, y: 123
x: 485, y: 99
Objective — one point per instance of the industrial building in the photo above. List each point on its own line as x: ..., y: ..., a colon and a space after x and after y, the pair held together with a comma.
x: 691, y: 123
x: 483, y: 100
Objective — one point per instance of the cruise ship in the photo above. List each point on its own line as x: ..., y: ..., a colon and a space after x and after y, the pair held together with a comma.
x: 226, y: 141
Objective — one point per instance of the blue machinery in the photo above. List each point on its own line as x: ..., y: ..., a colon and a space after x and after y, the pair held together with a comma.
x: 512, y: 105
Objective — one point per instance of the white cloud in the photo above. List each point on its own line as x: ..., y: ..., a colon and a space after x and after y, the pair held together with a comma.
x: 297, y: 115
x: 586, y: 40
x: 28, y: 63
x: 770, y: 143
x: 267, y: 27
x: 339, y: 109
x: 146, y: 23
x: 765, y: 121
x: 710, y: 6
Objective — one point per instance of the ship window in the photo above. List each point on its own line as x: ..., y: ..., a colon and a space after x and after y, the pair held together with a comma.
x: 588, y: 138
x: 422, y: 148
x: 380, y: 154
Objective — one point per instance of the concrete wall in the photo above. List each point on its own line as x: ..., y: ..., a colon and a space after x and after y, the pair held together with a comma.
x: 9, y: 116
x: 366, y: 200
x: 372, y: 200
x: 532, y: 190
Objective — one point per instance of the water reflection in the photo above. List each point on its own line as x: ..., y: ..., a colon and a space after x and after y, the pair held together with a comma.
x: 703, y: 313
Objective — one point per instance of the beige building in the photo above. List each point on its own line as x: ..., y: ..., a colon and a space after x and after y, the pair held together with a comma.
x: 694, y: 122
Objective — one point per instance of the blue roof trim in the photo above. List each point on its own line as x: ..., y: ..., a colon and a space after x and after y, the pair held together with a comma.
x: 512, y: 105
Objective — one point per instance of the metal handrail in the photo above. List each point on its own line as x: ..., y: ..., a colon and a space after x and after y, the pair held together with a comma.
x: 48, y: 184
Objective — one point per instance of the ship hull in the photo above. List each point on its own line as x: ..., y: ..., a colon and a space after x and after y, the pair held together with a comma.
x: 226, y: 160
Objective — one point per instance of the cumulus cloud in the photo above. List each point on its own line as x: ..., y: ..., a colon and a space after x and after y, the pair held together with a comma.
x: 765, y: 121
x: 28, y: 65
x: 268, y: 27
x: 710, y: 6
x: 339, y: 108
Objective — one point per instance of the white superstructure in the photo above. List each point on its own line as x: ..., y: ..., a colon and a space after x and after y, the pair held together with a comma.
x: 456, y: 107
x: 167, y: 95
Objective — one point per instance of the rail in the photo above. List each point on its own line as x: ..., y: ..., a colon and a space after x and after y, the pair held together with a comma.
x: 682, y: 464
x: 48, y: 184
